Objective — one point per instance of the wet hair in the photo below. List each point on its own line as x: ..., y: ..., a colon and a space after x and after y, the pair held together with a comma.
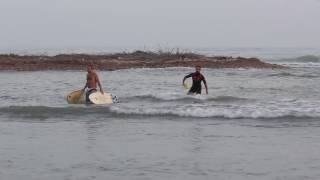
x: 91, y: 66
x: 198, y: 66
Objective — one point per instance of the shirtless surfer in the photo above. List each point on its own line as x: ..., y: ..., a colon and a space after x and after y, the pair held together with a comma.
x: 92, y: 82
x: 197, y: 78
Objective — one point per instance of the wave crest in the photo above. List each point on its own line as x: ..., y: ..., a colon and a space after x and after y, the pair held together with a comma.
x: 102, y: 112
x: 183, y: 99
x: 304, y: 59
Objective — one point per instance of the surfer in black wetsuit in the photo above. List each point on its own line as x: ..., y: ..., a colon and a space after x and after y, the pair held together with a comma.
x: 197, y: 78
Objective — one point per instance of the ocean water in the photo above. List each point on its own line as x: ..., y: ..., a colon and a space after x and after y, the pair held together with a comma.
x: 254, y: 124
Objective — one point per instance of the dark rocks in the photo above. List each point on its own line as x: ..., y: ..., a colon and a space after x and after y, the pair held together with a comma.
x: 137, y: 59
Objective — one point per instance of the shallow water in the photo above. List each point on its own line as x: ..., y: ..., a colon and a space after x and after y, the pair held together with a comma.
x: 254, y: 124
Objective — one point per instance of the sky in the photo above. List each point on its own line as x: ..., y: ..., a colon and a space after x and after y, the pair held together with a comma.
x: 179, y: 23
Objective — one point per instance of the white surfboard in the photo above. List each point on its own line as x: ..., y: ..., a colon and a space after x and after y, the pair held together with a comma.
x: 99, y: 98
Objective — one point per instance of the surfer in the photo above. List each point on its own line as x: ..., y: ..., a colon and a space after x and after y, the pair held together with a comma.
x: 92, y: 82
x: 197, y: 77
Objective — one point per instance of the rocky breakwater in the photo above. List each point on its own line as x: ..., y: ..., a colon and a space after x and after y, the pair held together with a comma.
x: 137, y: 59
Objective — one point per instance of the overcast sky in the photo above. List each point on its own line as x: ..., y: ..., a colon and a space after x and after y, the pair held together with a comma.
x: 200, y: 23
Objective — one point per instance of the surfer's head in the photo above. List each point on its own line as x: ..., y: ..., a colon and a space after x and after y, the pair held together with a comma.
x: 198, y: 68
x: 90, y: 68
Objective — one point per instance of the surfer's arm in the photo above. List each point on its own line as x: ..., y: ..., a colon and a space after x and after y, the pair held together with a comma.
x: 99, y: 84
x: 85, y: 86
x: 186, y: 77
x: 205, y: 84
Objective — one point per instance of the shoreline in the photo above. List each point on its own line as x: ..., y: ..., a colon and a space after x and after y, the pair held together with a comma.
x: 136, y: 59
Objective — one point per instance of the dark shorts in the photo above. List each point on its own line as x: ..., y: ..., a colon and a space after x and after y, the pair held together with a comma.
x: 90, y: 91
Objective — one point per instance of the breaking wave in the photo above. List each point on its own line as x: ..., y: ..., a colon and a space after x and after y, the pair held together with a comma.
x: 81, y: 112
x: 183, y: 98
x: 303, y: 59
x: 301, y: 75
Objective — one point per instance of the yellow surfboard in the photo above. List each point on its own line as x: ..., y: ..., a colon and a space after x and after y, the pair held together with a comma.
x: 187, y: 86
x: 76, y: 97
